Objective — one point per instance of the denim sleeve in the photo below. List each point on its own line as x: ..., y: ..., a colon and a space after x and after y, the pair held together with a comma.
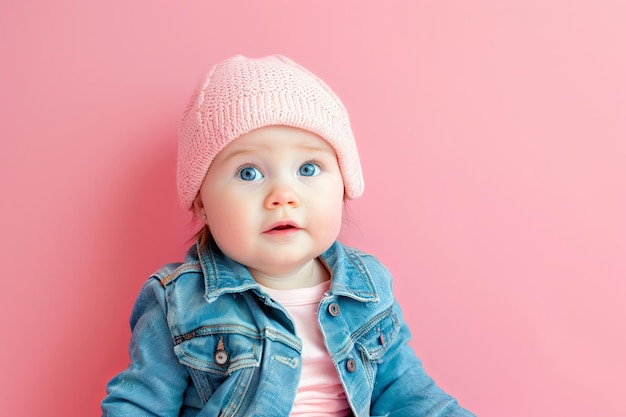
x: 154, y: 382
x: 403, y: 388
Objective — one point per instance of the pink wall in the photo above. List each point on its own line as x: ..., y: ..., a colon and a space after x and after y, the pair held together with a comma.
x: 493, y: 138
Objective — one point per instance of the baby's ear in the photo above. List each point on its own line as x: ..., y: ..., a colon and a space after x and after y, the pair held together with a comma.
x: 198, y: 207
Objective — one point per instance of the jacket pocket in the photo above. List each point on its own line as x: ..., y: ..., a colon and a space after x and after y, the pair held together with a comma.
x: 374, y: 339
x: 219, y: 356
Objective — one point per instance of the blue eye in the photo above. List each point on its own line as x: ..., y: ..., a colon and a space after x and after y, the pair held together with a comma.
x: 250, y: 174
x: 309, y: 169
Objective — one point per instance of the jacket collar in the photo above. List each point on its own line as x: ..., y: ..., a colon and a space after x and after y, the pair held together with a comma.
x: 350, y: 277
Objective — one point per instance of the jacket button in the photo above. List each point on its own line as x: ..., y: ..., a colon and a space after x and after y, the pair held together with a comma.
x: 351, y: 365
x: 333, y: 309
x: 221, y: 357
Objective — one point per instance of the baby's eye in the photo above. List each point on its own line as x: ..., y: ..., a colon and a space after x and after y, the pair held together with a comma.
x: 250, y: 174
x: 309, y: 169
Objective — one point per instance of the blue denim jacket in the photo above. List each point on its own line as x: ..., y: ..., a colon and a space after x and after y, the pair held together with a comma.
x: 207, y: 341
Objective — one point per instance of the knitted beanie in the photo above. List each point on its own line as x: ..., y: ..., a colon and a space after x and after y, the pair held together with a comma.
x: 242, y: 94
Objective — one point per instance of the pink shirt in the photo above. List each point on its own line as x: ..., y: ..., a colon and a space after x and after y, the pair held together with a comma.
x: 320, y: 391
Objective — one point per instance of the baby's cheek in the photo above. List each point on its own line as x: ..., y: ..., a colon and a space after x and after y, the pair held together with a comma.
x: 332, y: 222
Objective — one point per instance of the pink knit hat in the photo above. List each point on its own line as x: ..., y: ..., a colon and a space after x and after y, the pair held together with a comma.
x: 243, y: 94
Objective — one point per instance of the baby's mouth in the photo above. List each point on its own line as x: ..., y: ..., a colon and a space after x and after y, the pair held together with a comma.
x: 283, y: 227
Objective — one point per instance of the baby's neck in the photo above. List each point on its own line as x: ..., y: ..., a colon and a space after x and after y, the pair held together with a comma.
x: 311, y: 274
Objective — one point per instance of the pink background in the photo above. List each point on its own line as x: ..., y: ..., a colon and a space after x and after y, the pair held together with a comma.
x: 492, y: 135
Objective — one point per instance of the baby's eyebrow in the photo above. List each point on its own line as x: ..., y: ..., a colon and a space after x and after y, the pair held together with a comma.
x: 317, y: 149
x: 227, y: 154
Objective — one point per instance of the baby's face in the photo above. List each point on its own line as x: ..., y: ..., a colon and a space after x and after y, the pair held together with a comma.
x: 273, y: 199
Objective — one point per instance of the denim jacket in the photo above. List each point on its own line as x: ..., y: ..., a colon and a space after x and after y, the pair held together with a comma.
x: 207, y: 341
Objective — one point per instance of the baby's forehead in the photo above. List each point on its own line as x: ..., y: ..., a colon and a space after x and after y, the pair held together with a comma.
x: 271, y: 139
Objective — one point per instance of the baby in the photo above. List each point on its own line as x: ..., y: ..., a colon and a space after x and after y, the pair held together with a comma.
x: 268, y: 314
